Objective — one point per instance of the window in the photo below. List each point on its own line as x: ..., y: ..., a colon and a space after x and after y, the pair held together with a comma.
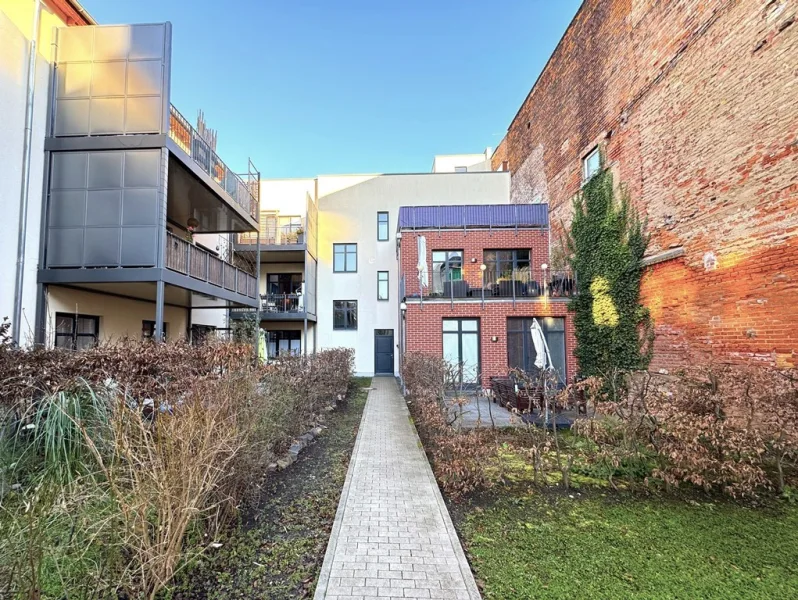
x: 76, y: 332
x: 148, y: 330
x: 461, y: 169
x: 502, y: 263
x: 382, y: 285
x: 521, y: 351
x: 447, y: 265
x: 344, y: 314
x: 284, y: 343
x: 202, y: 333
x: 344, y: 258
x: 284, y: 283
x: 382, y: 226
x: 461, y: 350
x: 289, y: 227
x: 591, y: 164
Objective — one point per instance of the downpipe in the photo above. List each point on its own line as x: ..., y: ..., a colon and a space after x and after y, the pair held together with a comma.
x: 16, y: 322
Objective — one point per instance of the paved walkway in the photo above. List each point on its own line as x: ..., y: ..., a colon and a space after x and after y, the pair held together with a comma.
x: 392, y: 536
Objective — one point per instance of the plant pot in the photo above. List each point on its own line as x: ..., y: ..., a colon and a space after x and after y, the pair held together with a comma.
x: 300, y: 238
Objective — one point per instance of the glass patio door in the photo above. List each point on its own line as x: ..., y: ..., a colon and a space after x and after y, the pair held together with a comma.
x: 461, y: 350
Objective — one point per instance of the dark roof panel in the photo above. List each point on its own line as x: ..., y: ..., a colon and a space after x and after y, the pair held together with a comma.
x: 463, y: 216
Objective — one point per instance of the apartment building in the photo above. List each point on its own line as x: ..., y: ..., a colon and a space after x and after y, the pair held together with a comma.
x: 131, y: 213
x: 692, y: 106
x: 474, y: 278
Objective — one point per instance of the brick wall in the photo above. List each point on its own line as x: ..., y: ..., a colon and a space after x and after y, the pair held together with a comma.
x: 694, y: 104
x: 424, y: 328
x: 472, y: 242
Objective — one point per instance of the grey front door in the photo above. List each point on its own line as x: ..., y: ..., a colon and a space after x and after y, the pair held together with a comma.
x: 383, y: 351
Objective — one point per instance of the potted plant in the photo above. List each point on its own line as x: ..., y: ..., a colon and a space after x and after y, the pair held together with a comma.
x: 300, y: 236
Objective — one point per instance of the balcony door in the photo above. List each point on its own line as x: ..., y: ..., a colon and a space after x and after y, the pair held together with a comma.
x: 284, y: 283
x: 461, y: 351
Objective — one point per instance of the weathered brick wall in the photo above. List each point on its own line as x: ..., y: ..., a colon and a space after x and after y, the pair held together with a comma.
x: 472, y: 242
x: 424, y: 328
x: 695, y: 105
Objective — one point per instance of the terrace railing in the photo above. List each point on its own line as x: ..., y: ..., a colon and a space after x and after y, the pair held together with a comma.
x: 192, y: 260
x: 275, y: 235
x: 282, y: 303
x: 242, y: 192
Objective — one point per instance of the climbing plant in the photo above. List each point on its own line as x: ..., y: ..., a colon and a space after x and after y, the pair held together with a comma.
x: 606, y: 244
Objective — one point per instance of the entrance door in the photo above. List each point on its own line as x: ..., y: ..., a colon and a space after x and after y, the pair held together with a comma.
x: 383, y: 351
x: 461, y: 351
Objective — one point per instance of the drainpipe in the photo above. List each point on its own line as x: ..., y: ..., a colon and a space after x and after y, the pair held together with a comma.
x: 16, y: 322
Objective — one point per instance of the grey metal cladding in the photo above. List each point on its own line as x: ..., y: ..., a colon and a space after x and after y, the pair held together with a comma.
x: 103, y: 208
x: 110, y: 80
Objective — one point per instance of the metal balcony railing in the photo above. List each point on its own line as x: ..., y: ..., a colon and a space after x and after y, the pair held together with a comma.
x: 516, y: 284
x: 243, y: 193
x: 282, y: 303
x: 186, y: 258
x: 276, y: 235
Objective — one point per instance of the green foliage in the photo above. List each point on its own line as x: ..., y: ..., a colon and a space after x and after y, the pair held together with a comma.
x: 606, y: 243
x: 623, y: 546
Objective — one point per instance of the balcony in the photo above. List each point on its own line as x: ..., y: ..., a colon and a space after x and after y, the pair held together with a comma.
x: 516, y: 285
x: 188, y: 259
x: 281, y: 307
x: 272, y: 234
x: 241, y: 192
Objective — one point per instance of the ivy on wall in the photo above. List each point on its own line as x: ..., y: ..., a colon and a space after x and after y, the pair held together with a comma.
x: 606, y: 244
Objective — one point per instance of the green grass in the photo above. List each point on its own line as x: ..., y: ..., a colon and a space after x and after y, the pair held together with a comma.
x: 616, y: 545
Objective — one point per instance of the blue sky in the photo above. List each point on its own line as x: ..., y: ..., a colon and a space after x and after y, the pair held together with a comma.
x: 308, y: 87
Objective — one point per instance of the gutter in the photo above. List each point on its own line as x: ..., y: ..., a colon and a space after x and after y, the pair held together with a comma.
x: 82, y: 11
x: 24, y: 195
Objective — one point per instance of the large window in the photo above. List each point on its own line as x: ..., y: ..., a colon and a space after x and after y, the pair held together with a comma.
x: 344, y: 314
x: 284, y: 343
x: 521, y: 351
x: 447, y: 265
x: 461, y: 350
x: 502, y: 263
x: 591, y: 164
x: 76, y: 332
x: 344, y: 258
x: 382, y: 226
x: 148, y: 329
x: 382, y: 285
x: 284, y: 283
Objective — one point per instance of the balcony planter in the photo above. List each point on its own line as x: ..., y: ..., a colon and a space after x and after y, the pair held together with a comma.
x: 300, y: 238
x: 506, y: 288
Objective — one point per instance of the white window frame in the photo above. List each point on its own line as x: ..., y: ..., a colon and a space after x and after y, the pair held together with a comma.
x: 594, y: 153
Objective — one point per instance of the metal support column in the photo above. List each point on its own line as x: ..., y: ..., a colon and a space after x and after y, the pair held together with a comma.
x: 159, y: 300
x: 257, y: 296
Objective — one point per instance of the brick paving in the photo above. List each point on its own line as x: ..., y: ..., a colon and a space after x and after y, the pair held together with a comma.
x: 392, y: 537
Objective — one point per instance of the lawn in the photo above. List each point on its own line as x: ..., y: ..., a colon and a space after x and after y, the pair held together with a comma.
x: 603, y: 544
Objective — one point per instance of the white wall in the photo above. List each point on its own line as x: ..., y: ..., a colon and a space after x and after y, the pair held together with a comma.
x: 16, y: 22
x: 446, y: 163
x: 348, y: 207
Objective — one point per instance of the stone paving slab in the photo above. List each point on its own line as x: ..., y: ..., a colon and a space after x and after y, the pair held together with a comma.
x: 392, y: 536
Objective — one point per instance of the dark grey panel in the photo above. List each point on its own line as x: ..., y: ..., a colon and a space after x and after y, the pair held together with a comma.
x: 144, y: 78
x: 140, y: 207
x: 147, y: 41
x: 65, y: 248
x: 68, y: 208
x: 138, y: 246
x: 70, y: 171
x: 107, y: 116
x: 142, y: 168
x: 101, y: 246
x: 104, y: 207
x: 72, y: 117
x: 105, y: 170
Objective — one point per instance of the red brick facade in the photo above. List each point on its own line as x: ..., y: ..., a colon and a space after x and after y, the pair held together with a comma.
x: 694, y: 105
x: 423, y: 324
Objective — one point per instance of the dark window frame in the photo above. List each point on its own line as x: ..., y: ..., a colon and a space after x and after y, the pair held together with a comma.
x: 387, y: 282
x: 460, y: 333
x: 499, y: 267
x: 148, y: 329
x: 347, y: 254
x: 347, y: 312
x: 387, y: 221
x: 445, y: 270
x: 73, y: 335
x: 520, y: 326
x: 276, y: 335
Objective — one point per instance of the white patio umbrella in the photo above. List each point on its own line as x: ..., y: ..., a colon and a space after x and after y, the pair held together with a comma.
x: 423, y: 271
x: 542, y: 354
